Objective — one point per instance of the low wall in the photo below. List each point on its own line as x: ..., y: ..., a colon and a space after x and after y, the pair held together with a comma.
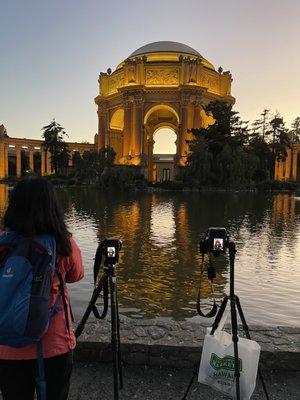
x: 179, y: 344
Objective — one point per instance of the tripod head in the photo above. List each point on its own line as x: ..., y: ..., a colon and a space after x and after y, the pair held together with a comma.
x: 109, y: 249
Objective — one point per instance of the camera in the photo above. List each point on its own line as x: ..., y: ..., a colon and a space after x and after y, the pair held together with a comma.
x: 215, y: 241
x: 110, y: 250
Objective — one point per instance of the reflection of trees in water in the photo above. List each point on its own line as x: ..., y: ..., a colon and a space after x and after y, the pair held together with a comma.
x: 161, y: 278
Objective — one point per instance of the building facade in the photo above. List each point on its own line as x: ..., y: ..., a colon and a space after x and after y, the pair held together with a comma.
x: 17, y: 156
x: 160, y: 85
x: 289, y: 170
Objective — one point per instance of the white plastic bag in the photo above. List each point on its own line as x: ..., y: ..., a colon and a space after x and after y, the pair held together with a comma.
x: 217, y: 364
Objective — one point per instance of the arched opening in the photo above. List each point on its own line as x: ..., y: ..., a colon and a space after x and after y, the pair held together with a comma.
x: 164, y: 150
x: 164, y: 141
x: 160, y: 135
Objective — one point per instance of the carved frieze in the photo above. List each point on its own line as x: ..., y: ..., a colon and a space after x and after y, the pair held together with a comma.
x: 211, y: 82
x: 162, y: 76
x: 115, y: 81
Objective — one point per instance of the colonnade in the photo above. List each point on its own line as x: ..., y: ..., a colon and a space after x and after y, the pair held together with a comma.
x: 9, y: 150
x: 38, y: 159
x: 288, y: 170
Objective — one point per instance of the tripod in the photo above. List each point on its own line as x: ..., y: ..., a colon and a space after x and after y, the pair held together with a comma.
x: 235, y: 306
x: 107, y: 283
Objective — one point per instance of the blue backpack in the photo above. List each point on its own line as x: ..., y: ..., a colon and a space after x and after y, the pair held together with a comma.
x: 27, y: 268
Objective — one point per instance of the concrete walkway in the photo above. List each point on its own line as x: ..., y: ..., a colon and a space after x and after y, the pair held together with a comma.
x: 94, y: 382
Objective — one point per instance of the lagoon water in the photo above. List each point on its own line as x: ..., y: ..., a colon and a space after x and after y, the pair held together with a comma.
x: 159, y: 269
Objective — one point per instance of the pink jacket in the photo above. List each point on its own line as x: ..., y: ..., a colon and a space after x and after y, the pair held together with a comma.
x: 57, y: 340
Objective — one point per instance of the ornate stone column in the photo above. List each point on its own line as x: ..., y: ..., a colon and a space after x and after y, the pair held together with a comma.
x: 127, y: 126
x: 102, y: 126
x: 295, y: 162
x: 137, y: 128
x: 43, y: 158
x: 31, y: 162
x: 181, y: 145
x: 18, y: 161
x: 288, y: 164
x: 197, y: 119
x: 2, y: 159
x: 48, y: 163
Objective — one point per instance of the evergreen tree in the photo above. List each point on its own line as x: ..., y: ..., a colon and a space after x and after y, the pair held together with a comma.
x: 90, y: 166
x: 295, y: 131
x: 218, y: 153
x: 280, y: 141
x: 54, y: 135
x: 261, y: 126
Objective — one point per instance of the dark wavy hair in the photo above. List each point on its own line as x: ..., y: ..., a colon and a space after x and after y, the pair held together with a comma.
x: 34, y: 210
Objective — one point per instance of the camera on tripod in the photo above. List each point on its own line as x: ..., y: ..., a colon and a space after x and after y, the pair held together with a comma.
x: 215, y: 241
x: 110, y: 250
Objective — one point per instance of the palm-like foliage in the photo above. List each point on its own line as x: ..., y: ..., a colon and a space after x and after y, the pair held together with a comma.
x: 54, y: 135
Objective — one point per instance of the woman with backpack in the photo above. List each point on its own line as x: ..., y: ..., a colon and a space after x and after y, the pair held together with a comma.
x: 34, y: 230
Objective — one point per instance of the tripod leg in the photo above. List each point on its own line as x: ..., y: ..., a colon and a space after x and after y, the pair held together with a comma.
x: 191, y: 381
x: 114, y: 335
x: 95, y: 295
x: 219, y: 315
x: 246, y: 330
x: 235, y: 340
x: 119, y: 342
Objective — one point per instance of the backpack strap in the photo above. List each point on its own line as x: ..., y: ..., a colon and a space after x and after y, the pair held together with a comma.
x: 62, y: 292
x: 41, y: 367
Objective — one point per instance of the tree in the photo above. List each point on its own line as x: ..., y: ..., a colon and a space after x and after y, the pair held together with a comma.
x: 280, y: 141
x: 260, y: 127
x: 218, y: 153
x: 295, y: 131
x: 90, y: 166
x: 54, y: 135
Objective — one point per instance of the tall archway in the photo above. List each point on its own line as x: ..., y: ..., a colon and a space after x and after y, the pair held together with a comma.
x: 164, y: 151
x: 158, y: 117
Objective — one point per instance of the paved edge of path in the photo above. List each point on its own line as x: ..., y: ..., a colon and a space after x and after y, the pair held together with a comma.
x: 179, y: 344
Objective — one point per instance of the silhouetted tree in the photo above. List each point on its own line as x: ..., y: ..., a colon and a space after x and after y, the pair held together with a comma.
x: 295, y: 131
x: 91, y: 164
x: 54, y: 135
x: 219, y: 153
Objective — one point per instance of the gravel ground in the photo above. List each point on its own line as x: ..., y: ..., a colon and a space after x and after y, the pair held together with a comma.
x: 94, y: 382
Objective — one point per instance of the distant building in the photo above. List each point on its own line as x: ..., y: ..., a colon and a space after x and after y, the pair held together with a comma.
x: 18, y: 156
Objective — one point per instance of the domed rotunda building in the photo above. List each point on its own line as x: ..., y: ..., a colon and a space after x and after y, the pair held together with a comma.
x: 160, y: 85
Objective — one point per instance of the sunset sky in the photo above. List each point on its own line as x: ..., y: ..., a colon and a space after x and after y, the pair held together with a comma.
x: 51, y: 53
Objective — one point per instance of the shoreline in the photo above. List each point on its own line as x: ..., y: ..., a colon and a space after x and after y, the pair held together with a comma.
x: 157, y: 189
x: 151, y: 342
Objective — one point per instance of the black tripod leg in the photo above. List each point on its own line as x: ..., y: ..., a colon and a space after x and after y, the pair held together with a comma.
x: 219, y: 315
x: 246, y: 330
x: 235, y: 340
x: 197, y: 365
x: 95, y: 295
x: 114, y: 335
x: 119, y: 342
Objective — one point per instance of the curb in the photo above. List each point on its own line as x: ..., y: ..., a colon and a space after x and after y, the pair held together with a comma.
x: 179, y: 344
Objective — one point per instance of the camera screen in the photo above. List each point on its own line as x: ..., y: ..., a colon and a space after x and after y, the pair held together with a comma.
x: 111, y: 252
x: 218, y: 244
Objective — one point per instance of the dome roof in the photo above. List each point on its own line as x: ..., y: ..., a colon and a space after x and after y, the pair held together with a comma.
x: 165, y: 47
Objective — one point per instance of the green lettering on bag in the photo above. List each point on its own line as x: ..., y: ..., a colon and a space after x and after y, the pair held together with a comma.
x: 226, y: 362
